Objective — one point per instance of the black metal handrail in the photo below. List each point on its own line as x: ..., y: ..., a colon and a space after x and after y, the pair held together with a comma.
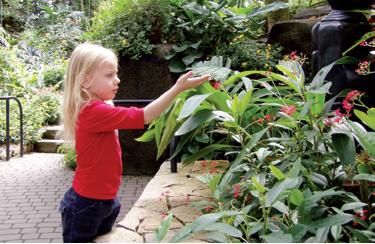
x: 7, y: 118
x: 172, y: 144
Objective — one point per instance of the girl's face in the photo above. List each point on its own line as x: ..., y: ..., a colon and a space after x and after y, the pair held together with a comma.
x: 103, y: 83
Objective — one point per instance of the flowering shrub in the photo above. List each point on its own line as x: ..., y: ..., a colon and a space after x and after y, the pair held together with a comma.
x: 288, y: 157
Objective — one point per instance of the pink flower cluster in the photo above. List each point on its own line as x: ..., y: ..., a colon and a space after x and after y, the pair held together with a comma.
x: 347, y: 104
x: 363, y: 68
x: 288, y: 109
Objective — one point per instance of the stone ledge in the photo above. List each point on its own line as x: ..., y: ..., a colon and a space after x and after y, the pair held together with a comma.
x: 166, y: 193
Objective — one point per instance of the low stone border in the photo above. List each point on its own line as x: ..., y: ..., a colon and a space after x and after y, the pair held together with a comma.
x: 166, y: 193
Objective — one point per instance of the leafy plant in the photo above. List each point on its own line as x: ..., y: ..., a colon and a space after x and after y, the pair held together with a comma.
x: 289, y: 154
x: 70, y: 156
x: 131, y: 27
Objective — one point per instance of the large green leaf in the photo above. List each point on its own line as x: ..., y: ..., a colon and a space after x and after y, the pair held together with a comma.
x: 338, y: 219
x: 171, y: 126
x: 191, y: 104
x: 148, y: 136
x: 273, y: 194
x: 368, y: 119
x: 353, y: 205
x: 215, y: 67
x: 317, y: 101
x: 176, y: 65
x: 277, y: 237
x: 344, y: 147
x: 367, y: 177
x: 365, y: 139
x: 268, y: 8
x: 277, y: 172
x: 224, y: 228
x: 203, y: 152
x: 162, y: 230
x: 296, y: 197
x: 219, y: 100
x: 198, y: 119
x: 199, y: 224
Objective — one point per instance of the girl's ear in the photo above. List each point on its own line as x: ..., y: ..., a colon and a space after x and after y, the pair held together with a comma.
x: 86, y: 82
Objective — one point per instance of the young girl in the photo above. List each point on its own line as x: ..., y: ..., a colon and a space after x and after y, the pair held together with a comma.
x: 90, y: 207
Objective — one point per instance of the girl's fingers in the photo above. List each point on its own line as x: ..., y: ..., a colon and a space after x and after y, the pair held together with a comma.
x: 186, y: 75
x: 199, y: 79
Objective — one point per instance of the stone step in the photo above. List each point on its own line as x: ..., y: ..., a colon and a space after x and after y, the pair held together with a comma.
x: 53, y: 132
x: 48, y: 145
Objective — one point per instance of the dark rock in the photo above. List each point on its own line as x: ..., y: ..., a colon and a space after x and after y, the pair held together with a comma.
x: 313, y: 12
x: 294, y: 35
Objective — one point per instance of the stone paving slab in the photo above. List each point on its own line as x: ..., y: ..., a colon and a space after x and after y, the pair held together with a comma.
x: 31, y: 188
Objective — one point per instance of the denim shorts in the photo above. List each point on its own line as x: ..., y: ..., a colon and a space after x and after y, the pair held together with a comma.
x: 83, y: 219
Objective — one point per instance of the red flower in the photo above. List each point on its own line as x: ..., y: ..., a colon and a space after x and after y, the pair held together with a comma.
x: 364, y: 43
x: 268, y: 117
x: 236, y: 189
x: 293, y: 55
x: 289, y: 110
x: 364, y: 68
x: 260, y: 121
x: 215, y: 84
x: 347, y: 106
x: 352, y: 95
x: 208, y: 209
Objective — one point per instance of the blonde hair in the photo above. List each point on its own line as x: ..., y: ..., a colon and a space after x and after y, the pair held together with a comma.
x: 85, y: 58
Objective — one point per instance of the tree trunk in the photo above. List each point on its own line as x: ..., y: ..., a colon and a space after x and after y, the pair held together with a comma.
x: 276, y: 16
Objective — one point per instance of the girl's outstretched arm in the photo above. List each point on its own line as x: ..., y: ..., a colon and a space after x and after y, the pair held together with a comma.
x: 154, y: 109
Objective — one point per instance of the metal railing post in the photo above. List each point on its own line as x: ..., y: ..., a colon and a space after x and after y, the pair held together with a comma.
x: 7, y: 123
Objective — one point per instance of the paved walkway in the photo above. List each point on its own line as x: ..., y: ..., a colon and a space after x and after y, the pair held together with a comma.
x: 30, y: 191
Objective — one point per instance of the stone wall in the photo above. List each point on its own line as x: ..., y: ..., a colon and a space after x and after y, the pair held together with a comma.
x: 166, y: 193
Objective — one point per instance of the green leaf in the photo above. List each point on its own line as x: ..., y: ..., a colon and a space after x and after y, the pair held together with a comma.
x: 176, y: 65
x: 277, y: 173
x: 188, y: 60
x: 368, y: 119
x: 277, y: 237
x: 296, y: 197
x: 204, y: 151
x: 317, y: 102
x: 344, y: 147
x: 365, y: 139
x: 297, y: 231
x: 191, y: 105
x: 353, y: 205
x: 336, y: 232
x: 260, y: 188
x: 224, y: 228
x: 199, y: 224
x: 162, y: 230
x: 267, y: 8
x: 148, y: 136
x: 171, y: 126
x: 198, y: 119
x: 273, y: 194
x: 367, y: 177
x: 337, y: 219
x: 219, y: 100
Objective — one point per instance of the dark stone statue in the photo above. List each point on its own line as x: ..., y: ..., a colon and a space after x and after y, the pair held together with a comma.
x: 334, y: 35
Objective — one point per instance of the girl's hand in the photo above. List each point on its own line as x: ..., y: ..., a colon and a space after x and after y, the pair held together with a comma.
x: 186, y: 81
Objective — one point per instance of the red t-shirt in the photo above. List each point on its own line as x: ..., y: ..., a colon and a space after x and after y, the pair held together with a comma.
x: 99, y: 165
